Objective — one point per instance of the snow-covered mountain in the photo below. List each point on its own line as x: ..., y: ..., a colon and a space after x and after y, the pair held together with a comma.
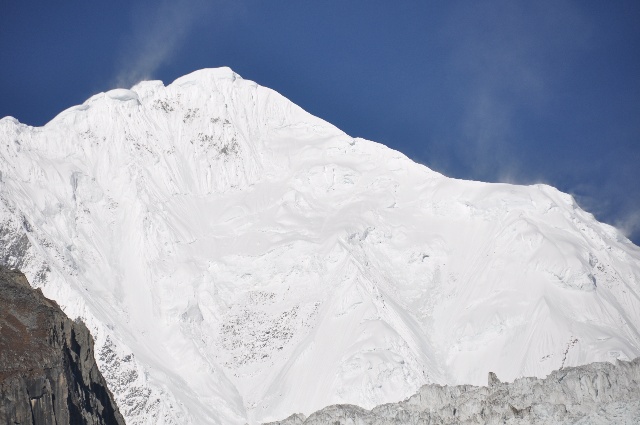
x: 238, y: 260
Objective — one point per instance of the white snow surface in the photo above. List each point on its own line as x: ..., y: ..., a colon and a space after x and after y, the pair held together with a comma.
x: 238, y: 259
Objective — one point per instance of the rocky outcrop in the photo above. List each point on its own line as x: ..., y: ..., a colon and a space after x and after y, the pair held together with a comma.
x: 295, y: 419
x: 598, y: 393
x: 48, y: 374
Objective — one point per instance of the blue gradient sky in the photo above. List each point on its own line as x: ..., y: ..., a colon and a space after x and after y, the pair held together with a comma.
x: 511, y: 91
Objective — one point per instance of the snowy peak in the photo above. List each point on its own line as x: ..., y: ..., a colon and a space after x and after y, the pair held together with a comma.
x: 205, y: 76
x: 239, y: 260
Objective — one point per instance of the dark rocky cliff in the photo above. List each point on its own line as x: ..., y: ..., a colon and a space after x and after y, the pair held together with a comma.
x: 48, y: 374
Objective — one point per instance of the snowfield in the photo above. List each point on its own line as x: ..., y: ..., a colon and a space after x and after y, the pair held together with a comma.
x: 239, y: 260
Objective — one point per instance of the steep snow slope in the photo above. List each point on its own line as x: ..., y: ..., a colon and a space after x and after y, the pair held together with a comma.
x: 238, y: 259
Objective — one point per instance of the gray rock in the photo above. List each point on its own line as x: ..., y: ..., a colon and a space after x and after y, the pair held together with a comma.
x: 598, y: 393
x: 295, y: 419
x: 48, y: 374
x: 493, y: 379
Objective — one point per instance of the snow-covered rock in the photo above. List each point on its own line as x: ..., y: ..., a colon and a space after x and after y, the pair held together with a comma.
x: 238, y: 260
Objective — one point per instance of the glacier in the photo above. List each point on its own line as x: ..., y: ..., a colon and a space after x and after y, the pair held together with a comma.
x: 593, y: 394
x: 239, y: 260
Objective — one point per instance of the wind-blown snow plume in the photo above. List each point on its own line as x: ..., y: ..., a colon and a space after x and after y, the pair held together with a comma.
x: 158, y: 31
x: 630, y: 223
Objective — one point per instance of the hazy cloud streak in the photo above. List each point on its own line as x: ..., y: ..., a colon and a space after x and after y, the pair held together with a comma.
x: 503, y: 57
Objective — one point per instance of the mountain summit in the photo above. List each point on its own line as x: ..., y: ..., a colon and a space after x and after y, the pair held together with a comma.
x: 238, y: 259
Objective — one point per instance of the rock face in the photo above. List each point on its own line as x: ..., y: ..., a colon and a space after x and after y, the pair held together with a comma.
x: 48, y: 374
x: 598, y: 393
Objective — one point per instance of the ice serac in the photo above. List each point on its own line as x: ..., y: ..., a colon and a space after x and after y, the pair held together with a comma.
x: 594, y: 394
x: 48, y: 374
x: 238, y: 259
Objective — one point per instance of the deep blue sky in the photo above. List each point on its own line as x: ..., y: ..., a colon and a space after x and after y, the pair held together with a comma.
x: 513, y: 91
